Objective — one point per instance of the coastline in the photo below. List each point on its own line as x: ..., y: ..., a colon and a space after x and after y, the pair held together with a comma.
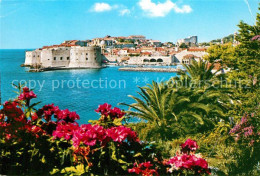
x: 142, y: 69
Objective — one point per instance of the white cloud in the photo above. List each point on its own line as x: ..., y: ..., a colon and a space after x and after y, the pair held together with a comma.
x: 101, y: 7
x: 184, y: 9
x: 162, y: 9
x: 124, y: 12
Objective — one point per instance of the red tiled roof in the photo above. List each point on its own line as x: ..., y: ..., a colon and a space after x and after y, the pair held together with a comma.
x: 197, y: 49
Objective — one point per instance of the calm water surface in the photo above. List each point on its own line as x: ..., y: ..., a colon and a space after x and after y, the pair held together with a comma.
x: 65, y: 88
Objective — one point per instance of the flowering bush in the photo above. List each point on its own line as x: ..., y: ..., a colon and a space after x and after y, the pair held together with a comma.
x: 50, y: 141
x: 245, y: 130
x: 143, y: 169
x: 189, y: 146
x: 188, y: 161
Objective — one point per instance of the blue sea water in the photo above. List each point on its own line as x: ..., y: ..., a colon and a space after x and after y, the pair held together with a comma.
x: 65, y: 88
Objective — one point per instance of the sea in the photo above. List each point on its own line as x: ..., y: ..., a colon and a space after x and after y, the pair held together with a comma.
x: 79, y: 90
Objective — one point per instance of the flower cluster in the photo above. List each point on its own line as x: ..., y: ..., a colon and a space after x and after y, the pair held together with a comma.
x: 48, y: 111
x: 67, y: 116
x: 108, y: 113
x: 65, y: 130
x: 122, y: 133
x: 26, y: 94
x: 12, y: 110
x: 91, y: 134
x: 245, y: 129
x: 256, y: 38
x: 143, y: 169
x: 94, y: 145
x: 189, y: 146
x: 188, y: 162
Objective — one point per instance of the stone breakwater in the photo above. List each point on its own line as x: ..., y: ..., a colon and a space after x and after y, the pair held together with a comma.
x: 142, y: 69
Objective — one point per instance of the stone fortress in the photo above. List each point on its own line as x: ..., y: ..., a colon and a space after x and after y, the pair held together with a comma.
x: 64, y: 56
x: 131, y: 50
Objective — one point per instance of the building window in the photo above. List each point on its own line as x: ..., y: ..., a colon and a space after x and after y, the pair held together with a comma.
x: 86, y: 53
x: 60, y: 58
x: 54, y: 58
x: 86, y: 58
x: 68, y: 58
x: 95, y: 58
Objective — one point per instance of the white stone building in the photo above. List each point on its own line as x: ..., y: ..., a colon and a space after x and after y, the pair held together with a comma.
x: 65, y: 57
x: 186, y: 56
x: 191, y: 41
x: 153, y: 60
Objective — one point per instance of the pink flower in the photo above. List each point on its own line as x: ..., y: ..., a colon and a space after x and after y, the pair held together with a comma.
x: 189, y: 162
x: 116, y: 113
x: 256, y: 38
x: 67, y: 116
x: 48, y: 111
x: 106, y: 111
x: 201, y: 163
x: 189, y: 145
x: 27, y: 94
x: 65, y: 130
x: 121, y: 133
x: 89, y: 135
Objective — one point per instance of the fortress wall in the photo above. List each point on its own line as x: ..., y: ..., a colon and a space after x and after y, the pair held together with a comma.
x: 28, y: 58
x: 46, y: 58
x: 68, y: 57
x: 85, y: 57
x: 60, y: 57
x: 32, y: 57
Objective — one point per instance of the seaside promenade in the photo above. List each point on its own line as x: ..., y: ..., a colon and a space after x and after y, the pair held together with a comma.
x: 143, y: 69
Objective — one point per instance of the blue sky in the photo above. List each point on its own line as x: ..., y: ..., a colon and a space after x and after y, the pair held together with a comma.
x: 35, y: 23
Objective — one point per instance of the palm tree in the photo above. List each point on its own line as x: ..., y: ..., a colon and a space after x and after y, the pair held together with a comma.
x: 175, y: 108
x: 171, y: 112
x: 201, y: 71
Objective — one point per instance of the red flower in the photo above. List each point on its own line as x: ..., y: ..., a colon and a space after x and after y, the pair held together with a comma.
x: 27, y: 94
x: 116, y: 113
x: 89, y: 135
x: 11, y: 110
x: 34, y: 116
x: 189, y: 145
x: 121, y: 133
x: 34, y: 130
x: 106, y: 111
x: 67, y: 116
x: 65, y: 130
x: 143, y: 169
x: 48, y: 111
x: 188, y: 162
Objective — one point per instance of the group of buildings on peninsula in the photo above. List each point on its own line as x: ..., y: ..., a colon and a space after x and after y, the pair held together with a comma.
x: 131, y: 50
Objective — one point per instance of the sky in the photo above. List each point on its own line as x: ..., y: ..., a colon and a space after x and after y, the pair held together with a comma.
x: 28, y: 24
